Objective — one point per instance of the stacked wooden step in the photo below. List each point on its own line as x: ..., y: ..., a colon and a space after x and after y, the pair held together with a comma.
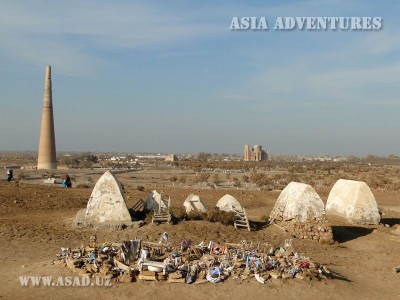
x: 139, y: 206
x: 241, y: 219
x: 162, y: 217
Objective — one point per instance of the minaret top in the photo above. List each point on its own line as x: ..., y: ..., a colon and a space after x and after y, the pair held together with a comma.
x: 48, y: 72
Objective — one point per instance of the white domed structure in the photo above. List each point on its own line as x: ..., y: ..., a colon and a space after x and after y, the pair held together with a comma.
x: 354, y: 201
x: 107, y: 201
x: 228, y: 202
x: 194, y: 203
x: 296, y: 202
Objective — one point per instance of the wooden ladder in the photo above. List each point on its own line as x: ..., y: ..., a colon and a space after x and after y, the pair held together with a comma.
x: 241, y: 219
x: 162, y: 215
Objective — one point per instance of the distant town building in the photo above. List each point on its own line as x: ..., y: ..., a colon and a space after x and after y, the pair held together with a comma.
x: 255, y: 154
x: 171, y: 157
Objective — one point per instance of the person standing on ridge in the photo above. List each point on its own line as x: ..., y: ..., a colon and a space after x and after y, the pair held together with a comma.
x: 9, y: 174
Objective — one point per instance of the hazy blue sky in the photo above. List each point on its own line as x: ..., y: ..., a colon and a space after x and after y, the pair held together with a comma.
x: 170, y: 76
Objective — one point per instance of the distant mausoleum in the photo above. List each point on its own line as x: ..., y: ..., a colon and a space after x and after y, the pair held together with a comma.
x: 255, y: 154
x: 171, y: 157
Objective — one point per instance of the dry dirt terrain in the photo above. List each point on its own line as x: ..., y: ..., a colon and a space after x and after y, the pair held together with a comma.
x: 36, y: 221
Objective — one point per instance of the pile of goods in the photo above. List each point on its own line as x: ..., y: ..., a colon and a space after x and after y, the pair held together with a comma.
x: 133, y: 260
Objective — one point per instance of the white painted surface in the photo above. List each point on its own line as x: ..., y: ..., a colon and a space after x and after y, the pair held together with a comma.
x: 107, y: 202
x: 354, y: 201
x: 296, y: 200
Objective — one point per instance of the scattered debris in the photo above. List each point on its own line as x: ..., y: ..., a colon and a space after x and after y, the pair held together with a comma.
x: 50, y: 181
x: 189, y: 263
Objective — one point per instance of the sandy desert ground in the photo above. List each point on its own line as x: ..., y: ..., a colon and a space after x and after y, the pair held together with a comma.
x: 36, y: 220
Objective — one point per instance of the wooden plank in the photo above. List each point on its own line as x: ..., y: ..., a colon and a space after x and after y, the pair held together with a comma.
x: 144, y: 277
x: 176, y: 280
x: 121, y: 265
x: 148, y: 273
x: 231, y: 245
x: 242, y: 225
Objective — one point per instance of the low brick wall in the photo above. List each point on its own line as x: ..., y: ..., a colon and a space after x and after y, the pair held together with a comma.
x: 317, y: 229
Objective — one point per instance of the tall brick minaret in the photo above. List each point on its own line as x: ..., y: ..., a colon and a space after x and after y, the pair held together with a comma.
x: 47, y: 143
x: 246, y: 152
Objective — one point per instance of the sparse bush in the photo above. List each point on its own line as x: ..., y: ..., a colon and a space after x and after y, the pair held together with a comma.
x: 22, y: 176
x: 236, y: 182
x: 228, y: 176
x: 204, y: 177
x: 183, y: 179
x: 260, y: 179
x: 140, y: 188
x: 197, y: 179
x: 225, y: 218
x: 202, y: 156
x: 212, y: 215
x: 178, y: 213
x: 82, y: 185
x: 197, y: 215
x: 265, y: 218
x: 149, y: 217
x: 216, y: 179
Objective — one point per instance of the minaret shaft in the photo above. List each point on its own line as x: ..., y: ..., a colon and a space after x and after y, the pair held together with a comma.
x: 47, y: 144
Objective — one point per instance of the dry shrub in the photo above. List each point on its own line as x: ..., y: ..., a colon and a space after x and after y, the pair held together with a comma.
x: 173, y: 178
x: 140, y: 188
x: 178, y: 213
x: 182, y: 179
x: 149, y: 217
x: 212, y: 216
x: 265, y: 218
x: 22, y: 176
x: 82, y: 185
x: 197, y: 215
x: 225, y: 218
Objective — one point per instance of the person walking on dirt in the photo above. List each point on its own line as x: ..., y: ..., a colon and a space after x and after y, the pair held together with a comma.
x: 9, y: 174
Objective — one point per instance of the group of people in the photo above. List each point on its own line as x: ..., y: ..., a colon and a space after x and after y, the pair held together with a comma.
x: 66, y: 182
